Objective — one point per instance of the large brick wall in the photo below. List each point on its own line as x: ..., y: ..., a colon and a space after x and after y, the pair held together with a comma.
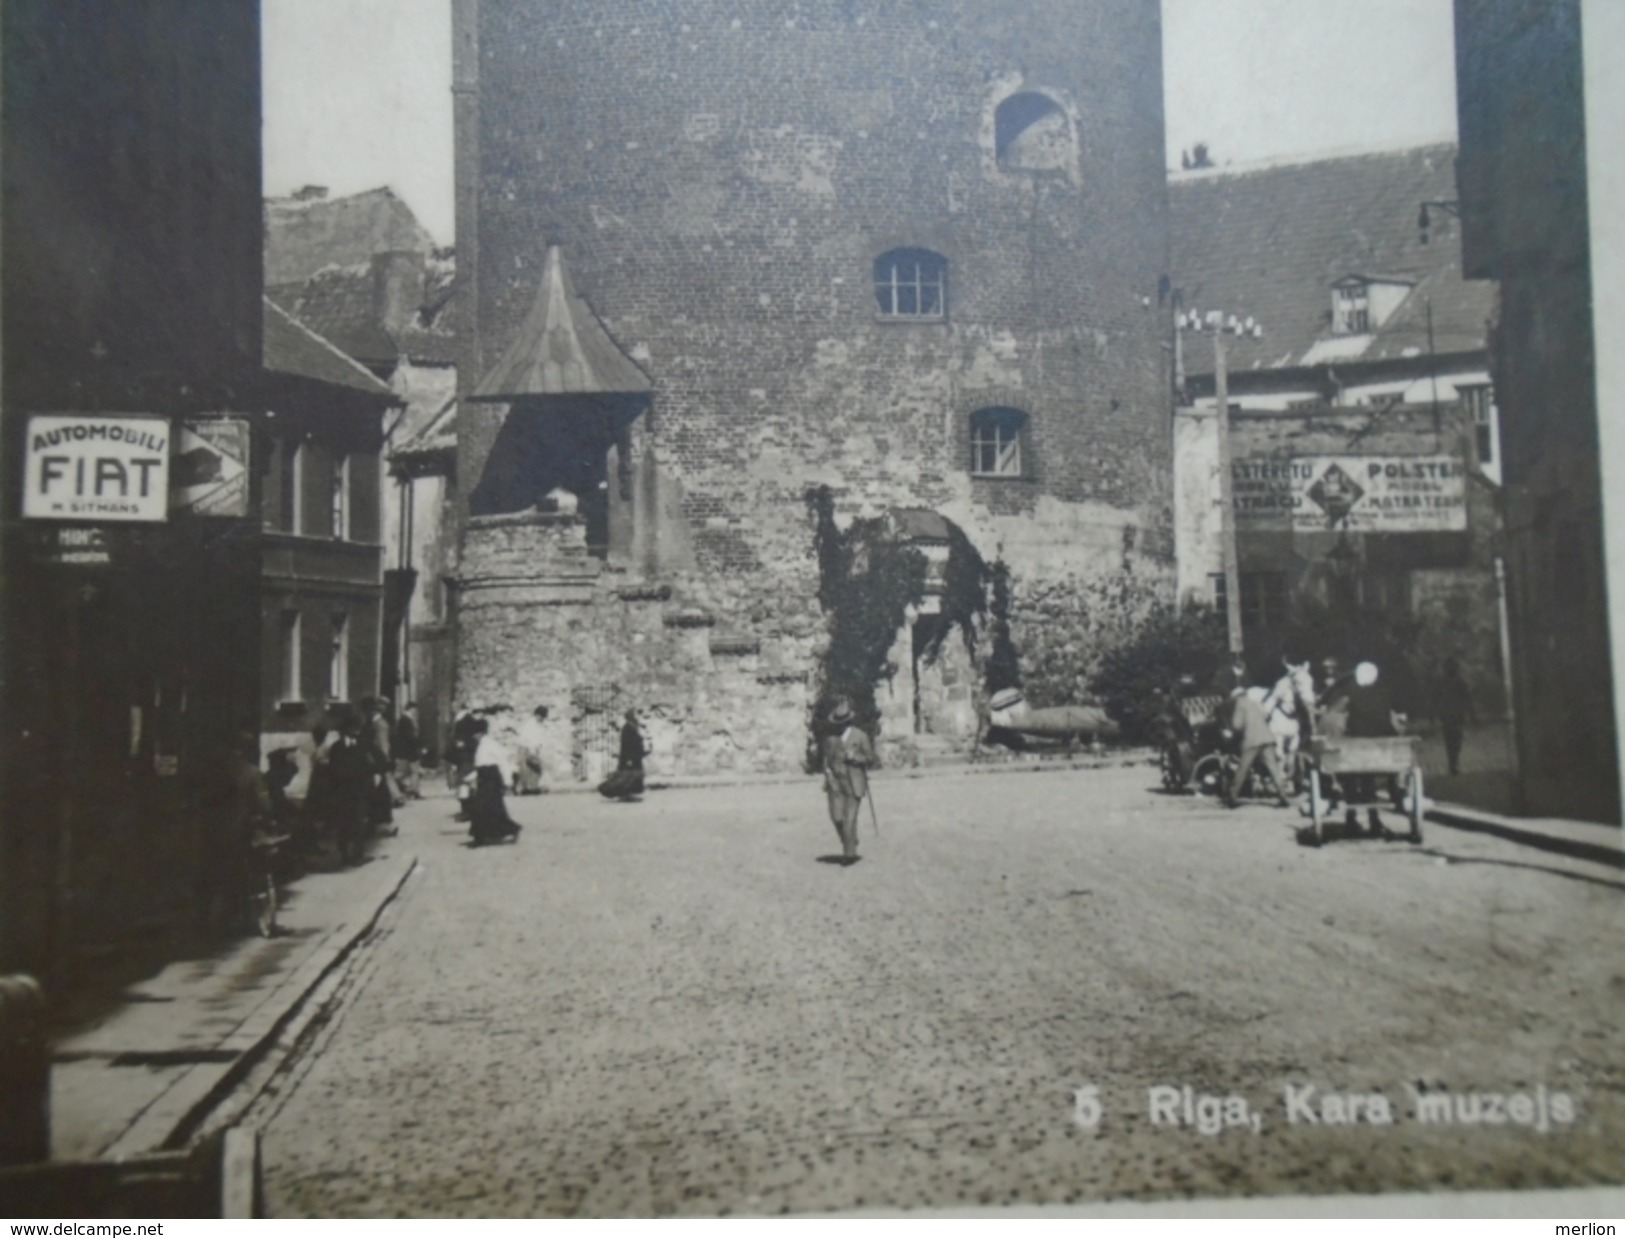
x: 722, y: 176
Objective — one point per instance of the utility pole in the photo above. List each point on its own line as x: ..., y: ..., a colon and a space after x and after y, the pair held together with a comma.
x: 1220, y: 326
x: 1227, y: 498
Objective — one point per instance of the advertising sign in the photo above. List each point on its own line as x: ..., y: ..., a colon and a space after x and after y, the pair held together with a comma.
x: 208, y: 475
x: 92, y: 467
x: 67, y: 544
x: 1359, y: 494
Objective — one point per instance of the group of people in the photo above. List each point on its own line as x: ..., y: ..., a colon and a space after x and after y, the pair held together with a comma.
x: 1359, y: 705
x: 483, y: 769
x: 363, y: 768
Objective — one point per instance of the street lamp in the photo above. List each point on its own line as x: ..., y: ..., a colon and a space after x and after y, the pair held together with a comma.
x: 1219, y: 325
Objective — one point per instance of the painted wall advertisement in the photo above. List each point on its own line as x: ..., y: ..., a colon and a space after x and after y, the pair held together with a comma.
x: 209, y: 473
x: 1359, y: 494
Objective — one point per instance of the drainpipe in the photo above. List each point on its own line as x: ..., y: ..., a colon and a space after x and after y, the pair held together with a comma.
x: 1506, y: 667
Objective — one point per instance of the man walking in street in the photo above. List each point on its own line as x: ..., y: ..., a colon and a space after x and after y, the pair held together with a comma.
x: 1246, y: 721
x: 1455, y: 710
x: 407, y: 748
x: 383, y: 796
x: 849, y: 754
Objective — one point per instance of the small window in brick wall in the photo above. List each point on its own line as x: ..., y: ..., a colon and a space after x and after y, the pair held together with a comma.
x: 912, y: 284
x: 997, y: 446
x: 1032, y: 134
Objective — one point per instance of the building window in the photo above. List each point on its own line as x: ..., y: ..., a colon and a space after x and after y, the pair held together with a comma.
x: 1032, y: 134
x: 341, y: 498
x: 288, y: 655
x: 1265, y: 599
x: 911, y: 283
x: 1479, y: 401
x: 995, y: 442
x: 1351, y: 309
x: 338, y: 659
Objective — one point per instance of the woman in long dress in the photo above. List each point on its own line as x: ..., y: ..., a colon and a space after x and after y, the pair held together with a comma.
x: 488, y: 817
x: 627, y: 781
x: 528, y: 774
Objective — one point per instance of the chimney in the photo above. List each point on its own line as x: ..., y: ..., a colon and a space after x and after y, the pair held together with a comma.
x: 310, y: 193
x: 397, y: 289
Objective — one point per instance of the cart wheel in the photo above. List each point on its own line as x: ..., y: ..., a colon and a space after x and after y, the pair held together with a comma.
x: 1209, y: 774
x: 1416, y: 804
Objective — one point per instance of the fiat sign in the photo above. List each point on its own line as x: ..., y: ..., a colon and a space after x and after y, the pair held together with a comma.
x: 85, y: 467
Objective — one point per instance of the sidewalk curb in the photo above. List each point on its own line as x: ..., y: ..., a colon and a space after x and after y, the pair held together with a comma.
x: 171, y: 1119
x: 1477, y: 823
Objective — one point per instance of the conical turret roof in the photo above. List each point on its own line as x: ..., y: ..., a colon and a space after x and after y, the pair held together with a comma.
x: 561, y: 349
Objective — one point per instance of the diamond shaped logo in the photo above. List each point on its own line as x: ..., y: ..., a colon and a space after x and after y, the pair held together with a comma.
x: 1336, y: 493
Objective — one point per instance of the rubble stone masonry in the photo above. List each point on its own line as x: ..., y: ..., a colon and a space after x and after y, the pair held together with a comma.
x: 722, y: 178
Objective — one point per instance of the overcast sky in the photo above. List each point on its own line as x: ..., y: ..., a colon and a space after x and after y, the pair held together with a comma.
x: 358, y: 92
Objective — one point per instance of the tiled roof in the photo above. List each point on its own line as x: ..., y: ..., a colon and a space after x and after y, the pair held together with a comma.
x: 340, y: 303
x: 560, y: 349
x: 337, y: 303
x: 303, y: 235
x: 294, y: 349
x: 1270, y: 243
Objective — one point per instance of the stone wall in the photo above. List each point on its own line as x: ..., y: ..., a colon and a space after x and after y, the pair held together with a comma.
x: 1062, y: 627
x: 722, y: 178
x: 542, y: 623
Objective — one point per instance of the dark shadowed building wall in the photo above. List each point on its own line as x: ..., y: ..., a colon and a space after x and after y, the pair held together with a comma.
x: 1522, y: 182
x: 131, y: 251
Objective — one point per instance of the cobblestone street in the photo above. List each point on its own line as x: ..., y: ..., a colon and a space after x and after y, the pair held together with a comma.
x: 672, y: 1007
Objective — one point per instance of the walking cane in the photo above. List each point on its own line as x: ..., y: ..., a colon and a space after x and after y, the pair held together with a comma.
x: 873, y: 820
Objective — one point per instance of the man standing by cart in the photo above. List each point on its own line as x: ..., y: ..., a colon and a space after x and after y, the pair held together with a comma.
x: 849, y: 754
x: 1249, y: 727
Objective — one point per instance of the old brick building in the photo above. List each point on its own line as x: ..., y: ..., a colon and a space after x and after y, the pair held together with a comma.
x: 910, y: 252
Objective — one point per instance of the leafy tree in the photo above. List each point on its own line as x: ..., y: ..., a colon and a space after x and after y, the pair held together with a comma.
x: 1133, y: 677
x: 1003, y: 663
x: 867, y: 581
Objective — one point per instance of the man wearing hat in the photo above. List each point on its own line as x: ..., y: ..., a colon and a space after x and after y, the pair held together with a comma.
x: 375, y: 734
x: 849, y: 754
x: 1249, y: 726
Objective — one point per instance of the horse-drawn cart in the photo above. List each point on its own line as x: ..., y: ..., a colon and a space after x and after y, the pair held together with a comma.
x: 1362, y: 770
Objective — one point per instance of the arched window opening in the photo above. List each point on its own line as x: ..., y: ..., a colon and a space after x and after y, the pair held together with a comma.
x: 911, y: 283
x: 1032, y: 134
x: 996, y: 436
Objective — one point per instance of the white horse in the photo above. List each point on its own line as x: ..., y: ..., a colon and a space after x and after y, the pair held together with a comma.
x: 1290, y: 706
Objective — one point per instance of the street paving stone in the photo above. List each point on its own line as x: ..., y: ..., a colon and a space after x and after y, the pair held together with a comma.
x: 674, y: 1007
